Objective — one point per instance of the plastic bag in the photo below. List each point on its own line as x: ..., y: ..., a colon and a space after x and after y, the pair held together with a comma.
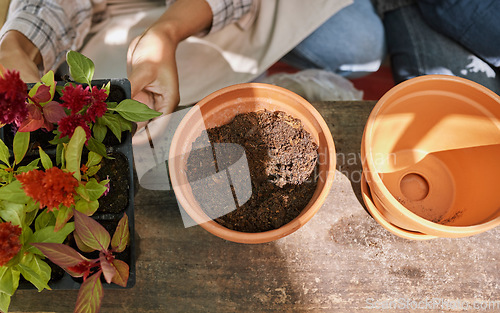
x: 316, y: 85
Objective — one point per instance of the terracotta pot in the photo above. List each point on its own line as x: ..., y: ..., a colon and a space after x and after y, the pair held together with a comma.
x: 377, y: 216
x: 219, y: 108
x: 430, y: 156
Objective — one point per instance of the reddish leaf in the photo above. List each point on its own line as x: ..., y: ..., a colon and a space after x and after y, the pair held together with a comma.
x: 53, y: 112
x: 42, y: 94
x: 91, y: 233
x: 108, y: 270
x: 90, y: 295
x: 122, y: 273
x: 34, y: 120
x: 63, y: 216
x: 80, y: 244
x: 62, y: 255
x: 48, y: 126
x: 121, y: 236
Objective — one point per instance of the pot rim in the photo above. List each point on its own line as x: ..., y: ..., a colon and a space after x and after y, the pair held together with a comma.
x: 307, y: 213
x: 376, y: 184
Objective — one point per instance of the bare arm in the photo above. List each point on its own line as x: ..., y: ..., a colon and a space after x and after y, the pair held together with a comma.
x: 19, y: 53
x: 38, y: 33
x: 151, y: 59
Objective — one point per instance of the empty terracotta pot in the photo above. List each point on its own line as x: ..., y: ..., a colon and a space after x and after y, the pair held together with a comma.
x: 430, y: 154
x: 221, y: 107
x: 377, y: 216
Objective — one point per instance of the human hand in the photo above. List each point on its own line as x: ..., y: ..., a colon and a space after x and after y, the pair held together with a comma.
x: 18, y: 53
x: 152, y: 71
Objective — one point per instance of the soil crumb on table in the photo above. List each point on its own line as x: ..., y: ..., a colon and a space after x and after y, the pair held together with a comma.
x: 281, y: 160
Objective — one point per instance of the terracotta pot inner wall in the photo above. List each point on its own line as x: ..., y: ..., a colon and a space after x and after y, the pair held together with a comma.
x: 437, y: 152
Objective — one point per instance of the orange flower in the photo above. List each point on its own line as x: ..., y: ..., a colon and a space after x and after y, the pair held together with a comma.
x: 50, y: 188
x: 9, y: 241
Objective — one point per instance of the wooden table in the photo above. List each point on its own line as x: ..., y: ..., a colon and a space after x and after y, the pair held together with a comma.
x: 341, y: 261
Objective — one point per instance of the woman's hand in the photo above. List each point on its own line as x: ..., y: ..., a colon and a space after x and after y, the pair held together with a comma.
x: 151, y: 64
x: 152, y: 71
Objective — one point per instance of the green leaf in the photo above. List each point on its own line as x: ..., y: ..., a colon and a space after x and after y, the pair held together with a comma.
x: 44, y: 219
x: 57, y: 140
x: 97, y: 147
x: 31, y: 205
x: 63, y: 216
x: 25, y: 235
x: 125, y: 124
x: 9, y: 280
x: 13, y: 213
x: 59, y: 155
x: 29, y: 217
x: 90, y: 295
x: 93, y: 159
x: 113, y: 123
x: 121, y: 237
x: 107, y: 88
x: 4, y: 302
x: 135, y: 111
x: 31, y: 166
x: 20, y: 145
x: 81, y: 68
x: 99, y: 130
x: 35, y: 271
x: 93, y: 170
x: 49, y: 235
x: 13, y: 192
x: 4, y: 153
x: 94, y: 189
x: 86, y: 207
x: 46, y: 161
x: 82, y: 192
x: 60, y: 88
x: 73, y: 154
x: 112, y: 104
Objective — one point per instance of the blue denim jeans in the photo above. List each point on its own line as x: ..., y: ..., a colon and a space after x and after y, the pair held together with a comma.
x: 474, y: 24
x: 351, y: 43
x: 417, y: 48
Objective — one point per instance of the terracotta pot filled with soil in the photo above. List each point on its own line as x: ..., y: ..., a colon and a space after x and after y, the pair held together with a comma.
x: 252, y: 163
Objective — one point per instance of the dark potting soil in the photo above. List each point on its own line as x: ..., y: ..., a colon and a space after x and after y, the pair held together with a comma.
x: 116, y: 169
x: 281, y: 161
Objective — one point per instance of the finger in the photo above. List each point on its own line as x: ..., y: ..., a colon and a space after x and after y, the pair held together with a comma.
x: 139, y: 79
x: 147, y: 99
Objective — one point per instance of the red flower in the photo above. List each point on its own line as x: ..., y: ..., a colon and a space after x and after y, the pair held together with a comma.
x: 13, y: 95
x: 68, y: 124
x: 75, y: 98
x: 9, y: 241
x: 83, y: 268
x: 12, y: 86
x: 98, y: 106
x: 50, y: 188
